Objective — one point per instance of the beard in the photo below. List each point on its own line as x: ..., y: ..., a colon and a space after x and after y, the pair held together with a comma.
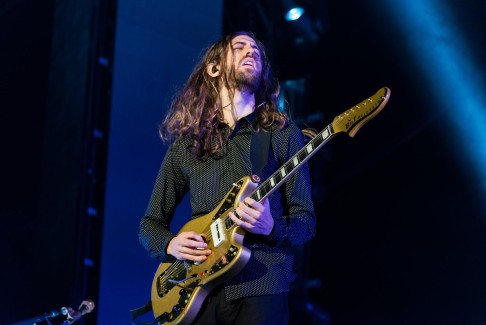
x: 247, y: 81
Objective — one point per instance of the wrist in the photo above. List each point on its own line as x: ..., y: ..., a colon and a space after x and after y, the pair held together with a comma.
x: 168, y: 248
x: 272, y: 229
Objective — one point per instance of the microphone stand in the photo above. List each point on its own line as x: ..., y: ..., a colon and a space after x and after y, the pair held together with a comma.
x: 48, y: 315
x: 86, y: 307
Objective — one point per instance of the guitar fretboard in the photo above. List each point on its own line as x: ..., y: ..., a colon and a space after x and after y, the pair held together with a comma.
x: 292, y: 165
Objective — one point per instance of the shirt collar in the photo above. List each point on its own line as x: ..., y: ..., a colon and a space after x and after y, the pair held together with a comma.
x: 248, y: 120
x: 251, y: 118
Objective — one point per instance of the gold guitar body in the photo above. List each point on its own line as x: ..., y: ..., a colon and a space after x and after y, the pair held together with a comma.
x: 179, y: 288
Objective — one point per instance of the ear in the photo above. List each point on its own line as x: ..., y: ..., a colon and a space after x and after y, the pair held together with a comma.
x: 213, y: 69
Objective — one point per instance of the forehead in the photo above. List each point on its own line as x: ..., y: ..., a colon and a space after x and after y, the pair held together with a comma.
x: 244, y: 39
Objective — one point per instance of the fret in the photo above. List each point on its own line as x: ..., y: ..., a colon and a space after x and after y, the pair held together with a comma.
x: 317, y: 141
x: 302, y: 155
x: 287, y: 167
x: 258, y: 194
x: 228, y: 223
x: 267, y: 187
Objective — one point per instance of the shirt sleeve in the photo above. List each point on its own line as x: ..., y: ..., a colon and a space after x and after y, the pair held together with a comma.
x: 169, y: 190
x: 296, y: 224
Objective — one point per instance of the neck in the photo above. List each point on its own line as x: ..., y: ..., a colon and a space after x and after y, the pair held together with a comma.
x: 243, y: 104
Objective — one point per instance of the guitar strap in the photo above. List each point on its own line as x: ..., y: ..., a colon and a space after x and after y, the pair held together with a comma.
x: 259, y: 147
x: 142, y: 311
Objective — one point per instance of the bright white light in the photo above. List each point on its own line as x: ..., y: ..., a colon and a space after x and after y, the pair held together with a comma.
x: 294, y: 13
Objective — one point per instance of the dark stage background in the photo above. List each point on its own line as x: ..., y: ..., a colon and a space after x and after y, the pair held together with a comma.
x: 400, y: 207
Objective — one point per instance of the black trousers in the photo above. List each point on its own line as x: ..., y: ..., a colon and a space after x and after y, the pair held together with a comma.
x: 268, y: 310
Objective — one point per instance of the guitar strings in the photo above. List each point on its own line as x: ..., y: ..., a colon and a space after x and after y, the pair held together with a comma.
x: 178, y: 265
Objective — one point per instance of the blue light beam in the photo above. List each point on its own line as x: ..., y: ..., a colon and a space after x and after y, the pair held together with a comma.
x: 435, y: 42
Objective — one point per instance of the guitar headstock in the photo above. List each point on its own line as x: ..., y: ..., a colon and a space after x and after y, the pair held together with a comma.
x: 355, y: 117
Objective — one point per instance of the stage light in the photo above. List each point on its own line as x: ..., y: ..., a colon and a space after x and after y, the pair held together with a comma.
x: 446, y: 61
x: 303, y: 23
x: 294, y: 13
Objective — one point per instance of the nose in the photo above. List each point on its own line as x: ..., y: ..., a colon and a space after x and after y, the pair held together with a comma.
x: 250, y: 52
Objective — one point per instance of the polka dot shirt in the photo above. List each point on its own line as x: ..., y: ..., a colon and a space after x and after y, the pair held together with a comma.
x: 270, y: 268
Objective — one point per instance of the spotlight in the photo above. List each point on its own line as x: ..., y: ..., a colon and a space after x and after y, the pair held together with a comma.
x: 294, y: 13
x: 303, y: 22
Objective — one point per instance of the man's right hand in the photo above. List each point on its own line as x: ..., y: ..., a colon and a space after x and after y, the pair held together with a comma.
x: 188, y: 246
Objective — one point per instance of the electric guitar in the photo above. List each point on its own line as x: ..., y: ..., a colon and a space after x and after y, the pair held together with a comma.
x: 179, y: 288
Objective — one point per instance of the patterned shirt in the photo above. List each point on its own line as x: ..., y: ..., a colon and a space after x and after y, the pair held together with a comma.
x: 270, y: 268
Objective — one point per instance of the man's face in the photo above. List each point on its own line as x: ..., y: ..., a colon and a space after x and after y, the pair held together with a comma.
x: 246, y: 58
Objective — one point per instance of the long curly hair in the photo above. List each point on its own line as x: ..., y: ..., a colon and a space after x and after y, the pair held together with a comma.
x: 196, y: 110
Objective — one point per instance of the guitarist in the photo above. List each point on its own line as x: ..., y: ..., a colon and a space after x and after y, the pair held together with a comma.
x: 230, y: 94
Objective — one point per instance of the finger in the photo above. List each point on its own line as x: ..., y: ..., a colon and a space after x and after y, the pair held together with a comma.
x: 191, y: 239
x: 248, y: 214
x: 194, y: 236
x: 252, y: 203
x: 195, y: 251
x: 255, y: 209
x: 191, y: 245
x: 194, y: 258
x: 249, y: 201
x: 201, y: 251
x: 236, y: 220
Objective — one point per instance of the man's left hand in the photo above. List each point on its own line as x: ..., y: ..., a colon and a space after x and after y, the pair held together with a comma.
x: 254, y: 216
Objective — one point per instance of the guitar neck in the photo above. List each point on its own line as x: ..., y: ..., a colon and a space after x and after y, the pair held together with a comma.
x: 350, y: 122
x: 292, y: 165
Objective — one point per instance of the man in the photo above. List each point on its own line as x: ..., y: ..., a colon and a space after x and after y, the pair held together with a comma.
x: 230, y: 95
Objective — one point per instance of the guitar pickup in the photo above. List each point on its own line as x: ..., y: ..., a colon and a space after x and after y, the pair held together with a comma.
x: 218, y: 233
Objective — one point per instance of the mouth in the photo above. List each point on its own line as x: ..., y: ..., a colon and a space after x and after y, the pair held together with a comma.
x: 249, y: 63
